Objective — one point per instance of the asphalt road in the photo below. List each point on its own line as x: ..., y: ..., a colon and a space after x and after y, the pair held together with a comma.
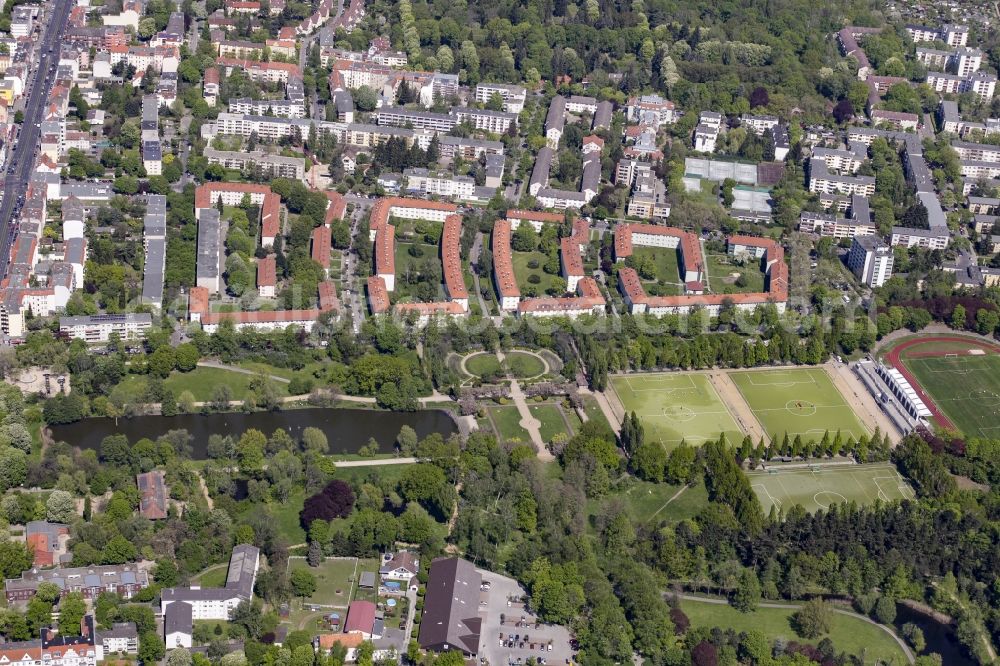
x: 22, y: 160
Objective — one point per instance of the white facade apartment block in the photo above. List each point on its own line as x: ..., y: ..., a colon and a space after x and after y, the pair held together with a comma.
x: 758, y: 124
x: 967, y: 61
x: 870, y: 260
x: 513, y: 96
x: 833, y: 226
x: 929, y: 239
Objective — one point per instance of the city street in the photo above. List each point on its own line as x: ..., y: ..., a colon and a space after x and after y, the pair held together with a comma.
x: 22, y: 161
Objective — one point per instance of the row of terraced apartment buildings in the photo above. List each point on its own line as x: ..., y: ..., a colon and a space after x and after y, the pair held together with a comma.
x: 693, y: 272
x: 584, y: 295
x: 383, y: 282
x: 210, y: 256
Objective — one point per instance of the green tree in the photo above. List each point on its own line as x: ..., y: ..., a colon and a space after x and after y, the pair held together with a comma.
x: 187, y: 357
x: 813, y: 619
x: 958, y: 317
x: 746, y: 596
x: 118, y: 550
x: 15, y: 557
x: 72, y: 608
x: 303, y: 583
x: 60, y: 507
x: 151, y: 648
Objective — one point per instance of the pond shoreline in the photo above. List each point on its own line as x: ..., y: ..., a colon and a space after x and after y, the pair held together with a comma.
x: 347, y: 428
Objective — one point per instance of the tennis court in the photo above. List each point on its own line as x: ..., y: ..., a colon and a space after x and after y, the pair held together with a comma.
x: 817, y: 487
x: 797, y: 401
x: 675, y: 407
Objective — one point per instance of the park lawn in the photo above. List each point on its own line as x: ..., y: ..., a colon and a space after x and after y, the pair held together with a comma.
x: 524, y: 365
x: 285, y: 516
x: 387, y: 473
x: 593, y: 410
x: 849, y: 634
x: 201, y: 382
x: 720, y: 268
x: 308, y: 370
x: 214, y: 576
x: 650, y: 502
x: 686, y: 506
x: 665, y: 260
x: 522, y: 272
x: 483, y: 364
x: 507, y: 421
x: 552, y: 422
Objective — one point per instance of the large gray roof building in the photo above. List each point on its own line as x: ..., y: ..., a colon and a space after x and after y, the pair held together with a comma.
x: 451, y: 607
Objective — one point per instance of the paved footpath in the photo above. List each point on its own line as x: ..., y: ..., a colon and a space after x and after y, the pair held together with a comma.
x: 528, y: 422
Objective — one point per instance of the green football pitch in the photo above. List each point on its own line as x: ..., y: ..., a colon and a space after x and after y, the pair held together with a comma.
x: 797, y: 401
x: 817, y: 487
x: 965, y: 388
x: 675, y: 406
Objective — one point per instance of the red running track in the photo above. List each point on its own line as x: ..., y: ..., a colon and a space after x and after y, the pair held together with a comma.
x: 893, y: 358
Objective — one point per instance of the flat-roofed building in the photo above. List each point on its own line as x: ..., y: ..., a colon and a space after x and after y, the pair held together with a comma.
x: 100, y: 328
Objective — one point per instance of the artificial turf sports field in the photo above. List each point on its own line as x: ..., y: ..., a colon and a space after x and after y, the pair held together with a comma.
x: 676, y: 406
x: 965, y: 388
x: 818, y: 487
x: 797, y: 401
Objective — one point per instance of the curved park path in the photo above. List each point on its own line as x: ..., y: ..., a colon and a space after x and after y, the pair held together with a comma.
x: 793, y: 606
x: 893, y: 358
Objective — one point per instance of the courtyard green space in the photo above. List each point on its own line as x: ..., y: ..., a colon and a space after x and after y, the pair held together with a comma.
x: 523, y: 274
x: 849, y: 634
x: 721, y: 267
x: 797, y: 401
x: 675, y: 407
x: 664, y: 261
x: 408, y: 266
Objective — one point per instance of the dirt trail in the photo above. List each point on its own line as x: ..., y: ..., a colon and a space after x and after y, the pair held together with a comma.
x: 860, y: 400
x: 738, y: 407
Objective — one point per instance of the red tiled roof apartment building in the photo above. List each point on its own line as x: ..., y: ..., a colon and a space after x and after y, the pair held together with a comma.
x: 267, y: 276
x: 588, y: 298
x: 380, y: 285
x: 320, y: 239
x: 769, y: 252
x: 199, y: 311
x: 231, y: 194
x: 503, y: 267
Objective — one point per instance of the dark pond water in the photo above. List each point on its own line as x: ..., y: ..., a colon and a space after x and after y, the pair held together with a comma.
x: 940, y: 638
x: 347, y: 430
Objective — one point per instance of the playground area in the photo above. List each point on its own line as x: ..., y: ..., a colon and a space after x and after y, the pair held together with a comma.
x: 797, y: 401
x: 816, y: 487
x: 676, y: 406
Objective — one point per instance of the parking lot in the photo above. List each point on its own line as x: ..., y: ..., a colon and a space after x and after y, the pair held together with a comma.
x: 510, y: 633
